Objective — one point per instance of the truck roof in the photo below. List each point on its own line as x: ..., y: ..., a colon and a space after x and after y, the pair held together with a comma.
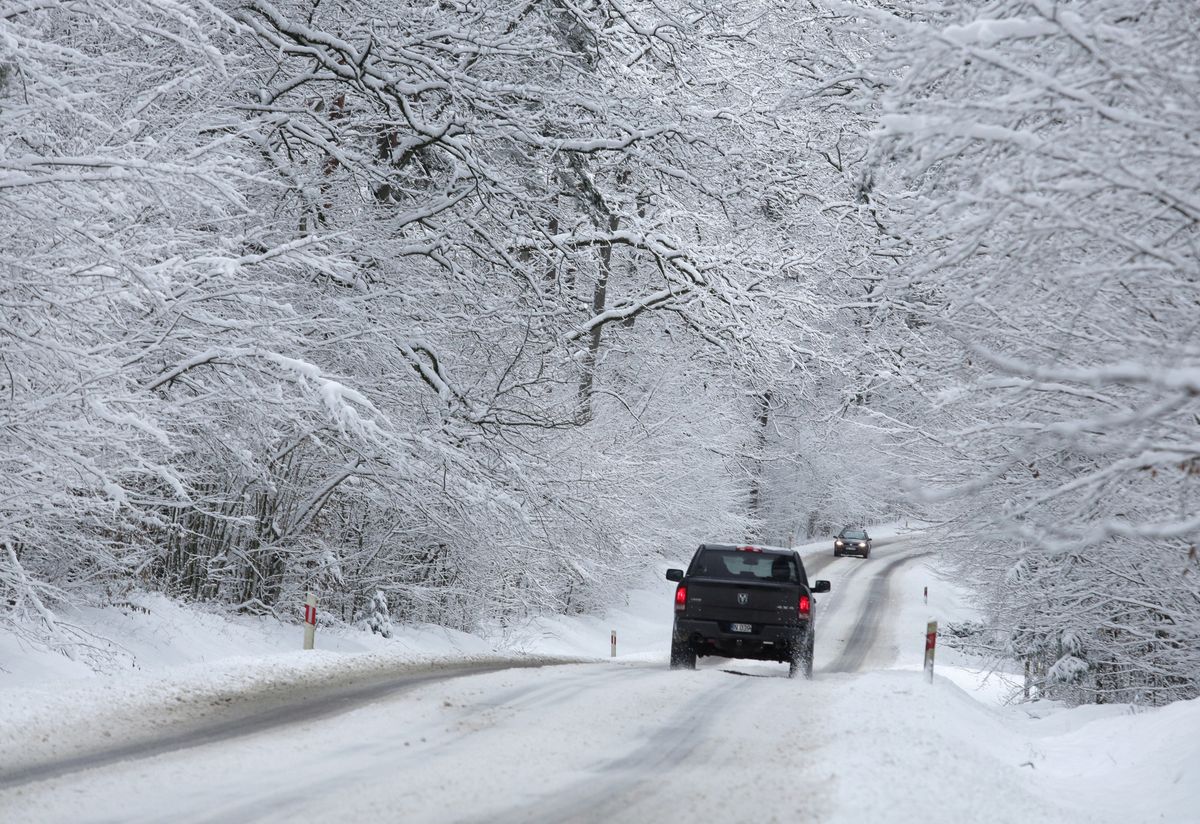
x: 766, y: 550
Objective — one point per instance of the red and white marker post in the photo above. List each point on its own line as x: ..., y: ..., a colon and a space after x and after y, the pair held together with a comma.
x: 613, y: 653
x: 930, y: 645
x: 310, y: 620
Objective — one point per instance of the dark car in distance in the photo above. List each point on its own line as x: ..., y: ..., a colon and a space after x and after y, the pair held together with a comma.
x: 744, y: 602
x: 852, y: 541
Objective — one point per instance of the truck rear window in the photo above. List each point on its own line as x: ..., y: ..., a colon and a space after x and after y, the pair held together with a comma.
x: 742, y: 566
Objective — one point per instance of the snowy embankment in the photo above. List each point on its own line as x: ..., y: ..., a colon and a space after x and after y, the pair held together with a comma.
x: 180, y: 668
x: 894, y: 748
x: 168, y: 667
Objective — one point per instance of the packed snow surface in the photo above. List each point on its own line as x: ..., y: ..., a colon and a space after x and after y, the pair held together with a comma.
x: 621, y: 739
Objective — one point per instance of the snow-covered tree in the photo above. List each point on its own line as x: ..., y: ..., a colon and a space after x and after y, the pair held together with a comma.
x: 1038, y: 161
x: 474, y: 306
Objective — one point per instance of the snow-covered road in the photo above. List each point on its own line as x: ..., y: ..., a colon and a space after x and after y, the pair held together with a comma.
x: 627, y: 740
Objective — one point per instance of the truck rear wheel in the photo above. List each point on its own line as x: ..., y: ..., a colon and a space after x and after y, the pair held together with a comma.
x: 801, y: 662
x: 682, y: 654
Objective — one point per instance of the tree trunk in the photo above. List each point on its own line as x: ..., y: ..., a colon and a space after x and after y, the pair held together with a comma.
x: 599, y: 302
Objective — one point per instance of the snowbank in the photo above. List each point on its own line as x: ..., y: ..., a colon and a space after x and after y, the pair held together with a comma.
x: 936, y: 754
x: 169, y: 666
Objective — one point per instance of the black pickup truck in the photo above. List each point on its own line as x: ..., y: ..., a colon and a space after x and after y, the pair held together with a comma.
x: 744, y: 602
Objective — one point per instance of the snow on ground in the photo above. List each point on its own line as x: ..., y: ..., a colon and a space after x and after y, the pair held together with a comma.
x: 634, y: 742
x: 948, y: 602
x: 171, y: 665
x: 936, y: 754
x: 624, y: 739
x: 149, y: 632
x: 638, y: 622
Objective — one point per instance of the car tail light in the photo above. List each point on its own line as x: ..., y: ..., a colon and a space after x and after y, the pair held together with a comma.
x: 681, y: 596
x: 749, y: 549
x: 805, y: 606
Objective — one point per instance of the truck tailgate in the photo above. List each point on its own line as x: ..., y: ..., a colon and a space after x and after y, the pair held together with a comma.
x: 750, y: 602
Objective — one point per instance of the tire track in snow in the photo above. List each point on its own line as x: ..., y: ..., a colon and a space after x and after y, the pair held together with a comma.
x: 616, y: 784
x: 867, y: 627
x: 300, y: 710
x: 491, y: 711
x: 561, y: 690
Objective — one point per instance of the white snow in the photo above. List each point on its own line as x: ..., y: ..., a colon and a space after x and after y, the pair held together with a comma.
x: 622, y: 739
x: 991, y: 32
x: 174, y: 665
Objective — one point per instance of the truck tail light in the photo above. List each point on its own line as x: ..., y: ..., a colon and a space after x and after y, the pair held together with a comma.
x: 749, y: 549
x: 681, y: 597
x: 805, y: 606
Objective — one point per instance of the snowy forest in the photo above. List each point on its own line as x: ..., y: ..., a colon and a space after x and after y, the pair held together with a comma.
x: 486, y: 305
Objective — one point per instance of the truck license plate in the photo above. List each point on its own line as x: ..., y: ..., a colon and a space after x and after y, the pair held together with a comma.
x: 741, y: 628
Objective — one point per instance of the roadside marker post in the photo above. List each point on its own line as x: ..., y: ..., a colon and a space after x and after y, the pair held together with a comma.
x: 930, y: 645
x: 310, y: 620
x: 926, y: 595
x: 613, y: 652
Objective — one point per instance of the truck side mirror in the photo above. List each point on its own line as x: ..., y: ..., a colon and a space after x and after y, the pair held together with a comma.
x: 674, y: 574
x: 820, y: 586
